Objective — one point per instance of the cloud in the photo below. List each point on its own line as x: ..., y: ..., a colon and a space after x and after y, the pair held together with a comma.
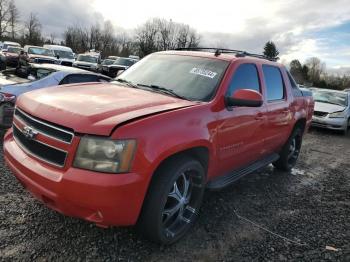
x: 299, y: 28
x: 56, y: 15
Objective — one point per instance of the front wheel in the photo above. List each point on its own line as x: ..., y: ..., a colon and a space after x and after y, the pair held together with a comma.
x: 173, y: 200
x: 290, y: 151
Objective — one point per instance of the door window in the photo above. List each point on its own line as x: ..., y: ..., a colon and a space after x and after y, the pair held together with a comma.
x: 274, y: 83
x: 245, y: 77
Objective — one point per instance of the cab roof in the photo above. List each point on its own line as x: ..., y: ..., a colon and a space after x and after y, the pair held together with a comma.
x: 218, y: 53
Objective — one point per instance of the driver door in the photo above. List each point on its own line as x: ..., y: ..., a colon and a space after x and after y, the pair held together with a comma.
x: 241, y: 131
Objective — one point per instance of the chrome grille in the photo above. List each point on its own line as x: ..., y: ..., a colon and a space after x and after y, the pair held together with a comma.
x: 44, y: 61
x: 40, y: 150
x: 53, y: 131
x: 31, y: 145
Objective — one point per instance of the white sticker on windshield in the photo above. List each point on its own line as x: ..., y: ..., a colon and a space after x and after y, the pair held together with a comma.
x: 203, y: 72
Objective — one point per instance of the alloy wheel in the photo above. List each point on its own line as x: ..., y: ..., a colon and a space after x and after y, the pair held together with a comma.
x: 182, y: 203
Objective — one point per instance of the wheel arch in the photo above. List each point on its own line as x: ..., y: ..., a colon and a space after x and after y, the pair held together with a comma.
x: 300, y: 123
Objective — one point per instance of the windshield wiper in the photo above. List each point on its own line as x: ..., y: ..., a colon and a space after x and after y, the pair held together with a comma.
x: 128, y: 83
x: 163, y: 90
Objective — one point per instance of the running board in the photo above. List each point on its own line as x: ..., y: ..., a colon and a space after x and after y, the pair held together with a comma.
x: 230, y: 178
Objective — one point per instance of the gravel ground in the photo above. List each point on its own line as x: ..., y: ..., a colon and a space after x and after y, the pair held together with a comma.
x: 309, y: 207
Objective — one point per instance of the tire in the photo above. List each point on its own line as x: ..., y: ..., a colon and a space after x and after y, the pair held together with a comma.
x: 168, y: 211
x: 290, y: 151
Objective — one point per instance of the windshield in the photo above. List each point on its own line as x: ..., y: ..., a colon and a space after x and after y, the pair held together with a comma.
x: 330, y: 97
x: 14, y: 49
x: 87, y: 58
x: 64, y: 54
x: 194, y: 78
x: 124, y: 61
x: 107, y: 62
x: 40, y: 51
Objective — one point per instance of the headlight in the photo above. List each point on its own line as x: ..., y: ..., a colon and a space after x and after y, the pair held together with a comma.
x: 105, y: 155
x: 94, y: 66
x: 337, y: 115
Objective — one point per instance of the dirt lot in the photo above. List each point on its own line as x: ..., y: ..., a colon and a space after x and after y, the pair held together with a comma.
x: 309, y: 206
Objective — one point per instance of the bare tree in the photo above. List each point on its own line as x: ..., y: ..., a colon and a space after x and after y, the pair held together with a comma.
x: 194, y: 39
x: 33, y: 30
x: 160, y: 34
x: 13, y: 18
x: 107, y: 37
x: 316, y: 69
x: 146, y: 37
x: 4, y: 17
x: 95, y: 37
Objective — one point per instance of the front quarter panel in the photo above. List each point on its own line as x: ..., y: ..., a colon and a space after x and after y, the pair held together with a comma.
x: 166, y: 134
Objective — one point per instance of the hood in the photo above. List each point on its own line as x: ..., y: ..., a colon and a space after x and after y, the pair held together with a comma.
x: 71, y: 60
x: 10, y: 80
x: 33, y: 56
x: 118, y: 66
x: 95, y: 108
x: 84, y: 63
x: 9, y: 54
x: 328, y: 108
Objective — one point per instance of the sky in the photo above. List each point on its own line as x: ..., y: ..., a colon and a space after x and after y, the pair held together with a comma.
x: 300, y: 29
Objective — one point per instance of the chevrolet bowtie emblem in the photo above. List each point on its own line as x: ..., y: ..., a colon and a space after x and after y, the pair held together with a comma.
x: 29, y: 132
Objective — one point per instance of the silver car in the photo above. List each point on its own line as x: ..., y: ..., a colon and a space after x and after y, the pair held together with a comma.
x: 332, y: 110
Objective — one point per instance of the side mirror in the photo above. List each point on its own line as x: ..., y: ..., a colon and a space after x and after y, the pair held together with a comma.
x: 58, y: 56
x: 244, y: 97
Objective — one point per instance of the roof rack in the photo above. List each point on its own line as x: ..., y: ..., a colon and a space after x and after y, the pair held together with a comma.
x: 219, y: 51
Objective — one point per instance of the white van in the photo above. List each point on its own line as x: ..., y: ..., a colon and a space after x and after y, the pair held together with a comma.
x: 64, y: 54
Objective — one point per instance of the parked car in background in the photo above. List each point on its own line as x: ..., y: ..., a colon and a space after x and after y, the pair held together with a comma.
x: 120, y: 64
x: 11, y: 55
x: 332, y: 109
x: 43, y: 75
x: 40, y: 55
x: 88, y: 61
x: 107, y: 61
x: 144, y: 148
x: 64, y: 54
x: 6, y: 44
x: 136, y: 57
x: 112, y: 57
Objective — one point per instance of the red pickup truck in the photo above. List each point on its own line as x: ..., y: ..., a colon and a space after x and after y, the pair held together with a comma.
x: 141, y: 150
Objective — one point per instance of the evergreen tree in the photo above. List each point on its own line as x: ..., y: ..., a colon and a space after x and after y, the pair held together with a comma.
x: 270, y: 50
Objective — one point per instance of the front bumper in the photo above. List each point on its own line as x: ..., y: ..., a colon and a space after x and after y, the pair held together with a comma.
x: 100, y: 198
x: 330, y: 123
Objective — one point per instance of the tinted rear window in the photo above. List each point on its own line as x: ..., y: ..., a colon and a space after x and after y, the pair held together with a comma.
x: 273, y: 82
